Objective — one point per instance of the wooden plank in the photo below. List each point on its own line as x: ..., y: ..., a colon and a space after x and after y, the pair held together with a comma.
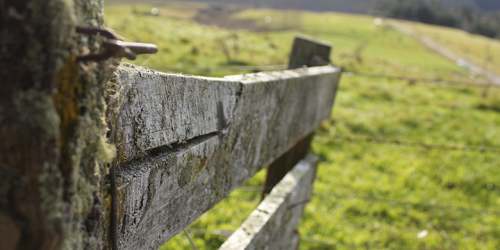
x: 272, y: 224
x: 186, y: 142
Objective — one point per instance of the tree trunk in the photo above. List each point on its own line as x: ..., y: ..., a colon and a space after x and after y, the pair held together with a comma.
x: 53, y: 145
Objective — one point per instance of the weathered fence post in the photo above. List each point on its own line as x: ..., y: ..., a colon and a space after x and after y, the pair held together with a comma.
x: 53, y: 146
x: 306, y: 52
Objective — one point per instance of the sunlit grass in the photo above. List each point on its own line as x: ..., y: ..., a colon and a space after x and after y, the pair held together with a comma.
x: 478, y: 49
x: 393, y: 109
x: 349, y: 33
x: 185, y: 43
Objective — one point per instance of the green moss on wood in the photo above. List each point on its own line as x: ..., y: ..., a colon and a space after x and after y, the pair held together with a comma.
x: 36, y: 108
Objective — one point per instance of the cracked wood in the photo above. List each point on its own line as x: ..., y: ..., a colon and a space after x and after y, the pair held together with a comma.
x: 186, y: 142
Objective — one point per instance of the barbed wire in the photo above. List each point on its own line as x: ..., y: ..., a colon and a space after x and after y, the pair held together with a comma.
x: 222, y: 233
x: 382, y: 200
x: 407, y: 203
x: 417, y: 79
x: 474, y: 149
x: 193, y: 245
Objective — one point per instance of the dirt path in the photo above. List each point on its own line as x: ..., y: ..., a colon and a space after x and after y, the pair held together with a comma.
x: 438, y: 48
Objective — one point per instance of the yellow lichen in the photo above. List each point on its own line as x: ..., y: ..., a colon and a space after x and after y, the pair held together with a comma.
x: 66, y: 100
x: 106, y: 151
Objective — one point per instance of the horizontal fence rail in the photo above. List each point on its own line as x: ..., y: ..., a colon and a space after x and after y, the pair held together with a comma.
x: 385, y: 200
x: 186, y: 142
x: 455, y: 83
x: 430, y: 146
x: 419, y: 79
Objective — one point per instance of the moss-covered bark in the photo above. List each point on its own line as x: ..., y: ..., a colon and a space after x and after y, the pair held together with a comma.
x: 53, y: 146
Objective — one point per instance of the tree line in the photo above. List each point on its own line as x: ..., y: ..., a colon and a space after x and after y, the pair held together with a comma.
x: 435, y: 12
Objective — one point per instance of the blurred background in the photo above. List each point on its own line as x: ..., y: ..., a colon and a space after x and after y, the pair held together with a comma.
x: 415, y: 71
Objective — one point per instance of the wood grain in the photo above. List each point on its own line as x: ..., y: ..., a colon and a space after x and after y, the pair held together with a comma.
x: 187, y: 142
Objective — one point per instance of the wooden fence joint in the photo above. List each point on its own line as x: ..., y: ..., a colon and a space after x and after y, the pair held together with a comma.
x: 309, y: 52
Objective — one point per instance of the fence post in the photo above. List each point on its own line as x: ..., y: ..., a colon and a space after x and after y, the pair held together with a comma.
x: 309, y: 52
x: 53, y: 146
x: 305, y: 52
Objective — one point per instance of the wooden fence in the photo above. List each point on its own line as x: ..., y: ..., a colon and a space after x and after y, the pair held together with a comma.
x: 186, y: 142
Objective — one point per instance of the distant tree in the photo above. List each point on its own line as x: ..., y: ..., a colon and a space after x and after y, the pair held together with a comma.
x: 435, y: 12
x: 487, y: 25
x: 488, y: 5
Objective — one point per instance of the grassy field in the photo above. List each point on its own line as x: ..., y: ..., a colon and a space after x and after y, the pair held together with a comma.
x: 365, y: 192
x: 478, y: 49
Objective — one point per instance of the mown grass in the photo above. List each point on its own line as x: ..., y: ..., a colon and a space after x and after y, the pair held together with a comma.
x: 366, y: 192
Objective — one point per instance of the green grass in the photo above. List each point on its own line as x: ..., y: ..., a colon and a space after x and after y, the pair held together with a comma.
x: 478, y: 49
x: 394, y: 110
x: 185, y: 43
x: 391, y: 109
x: 349, y: 33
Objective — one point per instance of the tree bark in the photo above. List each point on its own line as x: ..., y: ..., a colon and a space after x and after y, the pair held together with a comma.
x: 53, y: 146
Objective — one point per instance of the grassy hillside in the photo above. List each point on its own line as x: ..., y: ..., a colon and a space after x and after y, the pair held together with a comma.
x: 357, y: 6
x: 355, y: 35
x: 184, y: 43
x: 352, y: 6
x: 478, y: 49
x: 383, y: 195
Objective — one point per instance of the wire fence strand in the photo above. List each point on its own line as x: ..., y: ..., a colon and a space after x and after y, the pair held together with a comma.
x: 390, y: 201
x: 470, y: 149
x: 407, y: 203
x: 418, y: 79
x: 190, y: 239
x: 222, y: 233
